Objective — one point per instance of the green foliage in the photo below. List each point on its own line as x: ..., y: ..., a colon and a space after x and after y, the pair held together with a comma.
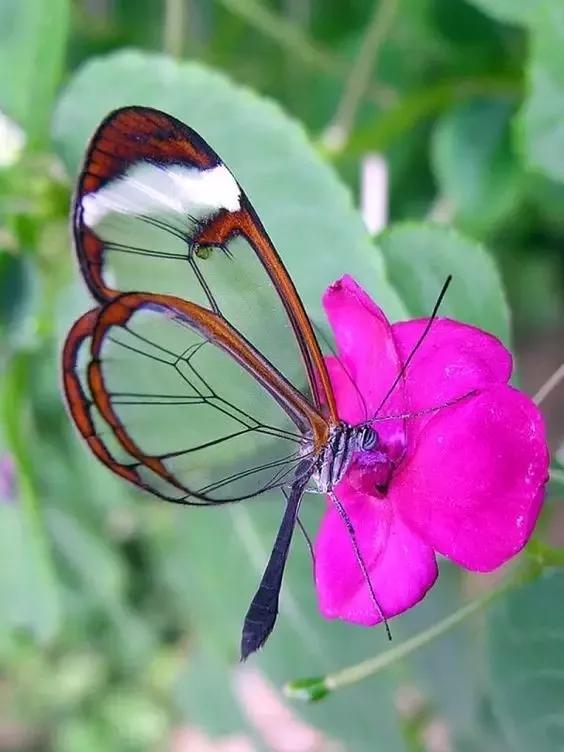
x: 15, y: 293
x: 223, y: 588
x: 526, y: 664
x: 121, y: 616
x: 541, y: 128
x: 520, y: 12
x: 475, y: 165
x: 28, y: 584
x: 419, y: 258
x: 33, y: 37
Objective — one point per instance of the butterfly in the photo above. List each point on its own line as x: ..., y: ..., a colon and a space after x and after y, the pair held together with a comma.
x: 197, y: 376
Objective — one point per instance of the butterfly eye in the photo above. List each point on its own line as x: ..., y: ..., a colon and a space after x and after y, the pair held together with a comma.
x: 368, y: 439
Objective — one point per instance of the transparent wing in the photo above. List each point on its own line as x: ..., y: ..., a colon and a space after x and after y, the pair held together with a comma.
x: 157, y: 210
x: 172, y: 398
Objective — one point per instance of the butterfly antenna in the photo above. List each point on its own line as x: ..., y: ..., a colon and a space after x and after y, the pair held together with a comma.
x: 360, y: 559
x: 428, y: 410
x: 417, y: 345
x: 308, y: 541
x: 304, y: 532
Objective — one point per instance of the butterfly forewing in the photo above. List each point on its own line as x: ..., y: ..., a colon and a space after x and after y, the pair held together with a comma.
x: 157, y: 210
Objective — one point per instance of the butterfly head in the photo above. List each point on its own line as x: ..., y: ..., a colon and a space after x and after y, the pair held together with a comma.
x: 344, y: 443
x: 366, y: 438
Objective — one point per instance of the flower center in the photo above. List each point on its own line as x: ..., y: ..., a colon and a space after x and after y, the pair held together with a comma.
x: 371, y: 471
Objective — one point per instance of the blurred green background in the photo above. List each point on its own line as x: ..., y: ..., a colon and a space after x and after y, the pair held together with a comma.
x: 120, y: 617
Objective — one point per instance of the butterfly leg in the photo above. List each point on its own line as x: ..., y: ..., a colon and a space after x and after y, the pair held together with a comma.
x: 360, y: 559
x: 308, y: 541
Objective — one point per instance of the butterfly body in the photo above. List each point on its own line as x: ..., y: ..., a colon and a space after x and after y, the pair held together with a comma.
x: 344, y: 442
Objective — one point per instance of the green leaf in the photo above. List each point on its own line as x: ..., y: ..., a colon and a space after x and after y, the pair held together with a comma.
x: 510, y: 11
x: 533, y: 294
x: 548, y: 37
x: 86, y: 734
x: 540, y: 125
x: 306, y: 210
x: 484, y: 735
x: 33, y: 35
x: 432, y: 668
x: 203, y: 694
x: 474, y: 162
x: 420, y: 257
x: 15, y: 289
x: 27, y: 588
x: 526, y: 660
x: 135, y: 720
x: 212, y: 563
x: 90, y: 558
x: 28, y: 583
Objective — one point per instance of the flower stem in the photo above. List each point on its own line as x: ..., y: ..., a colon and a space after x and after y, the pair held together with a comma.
x: 337, y: 133
x: 285, y: 33
x: 542, y: 555
x: 550, y: 385
x: 316, y: 688
x: 299, y: 44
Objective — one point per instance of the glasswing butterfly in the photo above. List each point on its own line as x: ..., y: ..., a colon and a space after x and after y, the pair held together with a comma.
x: 205, y: 385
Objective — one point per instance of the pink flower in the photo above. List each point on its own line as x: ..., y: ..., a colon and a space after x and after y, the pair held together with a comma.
x: 465, y: 479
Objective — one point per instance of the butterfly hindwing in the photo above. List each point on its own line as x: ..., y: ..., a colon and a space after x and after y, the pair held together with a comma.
x: 193, y: 419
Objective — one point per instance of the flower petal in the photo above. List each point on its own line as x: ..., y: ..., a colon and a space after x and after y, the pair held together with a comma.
x: 351, y: 404
x: 474, y: 483
x: 402, y: 568
x: 453, y: 360
x: 368, y: 361
x: 364, y: 339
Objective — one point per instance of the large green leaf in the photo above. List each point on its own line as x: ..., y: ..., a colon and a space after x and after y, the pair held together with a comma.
x: 211, y: 562
x: 27, y: 588
x: 541, y: 121
x: 474, y: 162
x: 525, y: 637
x: 306, y: 210
x: 90, y: 558
x: 485, y: 734
x: 33, y: 35
x: 511, y: 11
x: 419, y: 259
x: 203, y: 694
x: 457, y: 653
x: 28, y: 584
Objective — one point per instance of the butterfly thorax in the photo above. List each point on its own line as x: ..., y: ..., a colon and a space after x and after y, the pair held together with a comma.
x: 344, y: 442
